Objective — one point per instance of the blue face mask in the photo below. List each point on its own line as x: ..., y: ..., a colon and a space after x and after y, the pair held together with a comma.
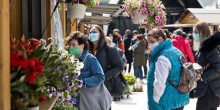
x: 93, y: 37
x: 196, y: 37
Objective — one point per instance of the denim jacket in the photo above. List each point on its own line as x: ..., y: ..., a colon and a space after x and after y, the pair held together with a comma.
x: 92, y: 73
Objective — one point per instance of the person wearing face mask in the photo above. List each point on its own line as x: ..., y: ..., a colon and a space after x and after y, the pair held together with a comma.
x: 196, y: 39
x: 208, y: 56
x: 161, y: 94
x: 108, y: 56
x: 91, y: 73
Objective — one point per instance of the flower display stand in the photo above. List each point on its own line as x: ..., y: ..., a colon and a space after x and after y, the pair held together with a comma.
x: 138, y: 18
x: 76, y: 10
x: 48, y: 105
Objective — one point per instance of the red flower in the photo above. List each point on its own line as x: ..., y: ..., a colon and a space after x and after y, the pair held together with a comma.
x: 42, y: 99
x: 31, y: 78
x: 40, y: 69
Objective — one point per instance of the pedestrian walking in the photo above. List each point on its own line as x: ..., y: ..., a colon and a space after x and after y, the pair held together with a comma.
x: 208, y: 56
x: 161, y: 94
x: 128, y: 54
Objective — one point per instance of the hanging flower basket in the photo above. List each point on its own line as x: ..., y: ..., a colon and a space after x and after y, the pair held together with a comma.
x: 139, y: 18
x: 76, y: 10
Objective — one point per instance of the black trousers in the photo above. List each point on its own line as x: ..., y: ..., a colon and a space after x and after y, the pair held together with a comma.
x: 181, y: 108
x: 129, y: 67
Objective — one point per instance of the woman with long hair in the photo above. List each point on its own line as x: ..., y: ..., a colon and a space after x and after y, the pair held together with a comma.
x: 208, y: 56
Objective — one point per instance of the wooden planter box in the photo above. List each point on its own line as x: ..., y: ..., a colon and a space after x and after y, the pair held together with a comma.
x: 48, y: 105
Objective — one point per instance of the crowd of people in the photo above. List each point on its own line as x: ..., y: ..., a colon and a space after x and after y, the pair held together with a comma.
x: 105, y: 58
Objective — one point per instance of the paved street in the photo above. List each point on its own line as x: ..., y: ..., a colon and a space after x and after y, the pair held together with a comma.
x: 138, y: 101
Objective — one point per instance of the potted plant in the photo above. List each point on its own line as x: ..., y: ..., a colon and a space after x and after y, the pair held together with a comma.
x: 62, y: 71
x: 77, y: 8
x: 148, y: 12
x: 131, y: 80
x: 27, y: 76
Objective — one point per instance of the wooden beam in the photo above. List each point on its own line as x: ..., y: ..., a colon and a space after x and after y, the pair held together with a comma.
x: 48, y: 105
x: 82, y: 26
x: 48, y: 14
x: 63, y: 21
x: 15, y: 19
x: 4, y: 56
x: 73, y: 25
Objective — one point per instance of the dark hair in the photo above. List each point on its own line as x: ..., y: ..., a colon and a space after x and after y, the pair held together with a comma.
x: 128, y: 32
x: 184, y: 34
x: 156, y: 33
x: 101, y: 39
x: 179, y: 32
x: 190, y: 36
x: 167, y: 33
x: 140, y: 37
x: 81, y: 39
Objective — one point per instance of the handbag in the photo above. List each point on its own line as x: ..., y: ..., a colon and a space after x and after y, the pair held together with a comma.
x: 118, y: 83
x: 95, y: 98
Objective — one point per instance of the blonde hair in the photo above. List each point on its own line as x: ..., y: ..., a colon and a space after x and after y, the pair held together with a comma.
x: 203, y: 30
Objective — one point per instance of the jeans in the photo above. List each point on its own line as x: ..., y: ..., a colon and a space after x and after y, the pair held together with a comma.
x: 138, y: 72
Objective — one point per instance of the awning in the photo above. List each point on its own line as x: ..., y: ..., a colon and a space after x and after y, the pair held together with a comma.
x: 179, y: 25
x: 211, y: 16
x: 98, y: 13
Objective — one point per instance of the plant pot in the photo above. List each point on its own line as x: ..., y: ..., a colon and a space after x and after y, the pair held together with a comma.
x: 139, y: 18
x: 33, y: 108
x: 131, y: 88
x: 76, y: 10
x: 125, y: 96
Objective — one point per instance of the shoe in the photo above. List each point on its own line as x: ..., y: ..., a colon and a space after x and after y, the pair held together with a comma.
x: 145, y: 76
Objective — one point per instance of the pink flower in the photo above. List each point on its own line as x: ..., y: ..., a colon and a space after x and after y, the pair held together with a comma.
x: 138, y: 10
x: 142, y: 3
x: 125, y: 7
x: 84, y: 1
x: 97, y: 4
x: 152, y: 13
x: 133, y: 16
x: 157, y: 21
x: 145, y: 26
x: 159, y: 27
x: 157, y: 17
x: 131, y: 6
x: 75, y: 0
x: 57, y: 1
x: 144, y: 12
x: 153, y: 0
x: 147, y: 4
x: 159, y: 7
x: 160, y: 10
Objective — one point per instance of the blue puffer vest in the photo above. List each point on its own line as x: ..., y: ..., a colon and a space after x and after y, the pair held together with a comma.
x: 171, y: 98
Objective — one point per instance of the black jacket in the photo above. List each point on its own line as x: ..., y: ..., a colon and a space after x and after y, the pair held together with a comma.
x: 209, y: 52
x: 128, y: 54
x: 115, y: 61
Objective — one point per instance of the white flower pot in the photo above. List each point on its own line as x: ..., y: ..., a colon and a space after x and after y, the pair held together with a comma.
x: 131, y: 87
x: 76, y: 10
x: 125, y: 96
x: 33, y: 108
x: 139, y: 18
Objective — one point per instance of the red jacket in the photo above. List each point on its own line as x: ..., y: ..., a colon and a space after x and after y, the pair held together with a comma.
x: 183, y: 45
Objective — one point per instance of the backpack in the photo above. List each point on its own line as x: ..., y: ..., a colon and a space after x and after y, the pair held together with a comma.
x: 188, y: 80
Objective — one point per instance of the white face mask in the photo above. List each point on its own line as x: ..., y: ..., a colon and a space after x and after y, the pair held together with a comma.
x: 153, y: 45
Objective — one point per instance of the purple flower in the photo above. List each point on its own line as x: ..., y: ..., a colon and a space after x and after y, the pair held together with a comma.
x: 66, y: 89
x: 85, y: 1
x: 138, y: 10
x: 66, y: 101
x: 97, y: 4
x: 70, y: 84
x: 65, y: 78
x: 58, y: 69
x: 152, y: 13
x: 72, y: 100
x: 157, y: 17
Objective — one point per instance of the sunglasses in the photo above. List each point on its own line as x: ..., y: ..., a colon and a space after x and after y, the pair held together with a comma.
x: 93, y: 32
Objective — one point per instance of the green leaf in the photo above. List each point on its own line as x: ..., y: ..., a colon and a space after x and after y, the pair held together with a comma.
x: 65, y: 94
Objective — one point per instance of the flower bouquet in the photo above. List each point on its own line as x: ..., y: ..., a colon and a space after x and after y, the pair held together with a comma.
x: 151, y: 11
x: 27, y: 76
x: 131, y: 80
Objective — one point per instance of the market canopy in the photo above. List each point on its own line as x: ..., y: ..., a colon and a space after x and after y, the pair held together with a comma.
x: 102, y: 14
x: 194, y: 15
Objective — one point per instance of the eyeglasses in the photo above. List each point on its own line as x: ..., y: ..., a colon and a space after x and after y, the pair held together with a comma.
x: 93, y: 32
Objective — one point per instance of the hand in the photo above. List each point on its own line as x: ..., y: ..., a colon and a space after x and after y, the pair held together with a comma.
x: 198, y: 76
x: 129, y: 49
